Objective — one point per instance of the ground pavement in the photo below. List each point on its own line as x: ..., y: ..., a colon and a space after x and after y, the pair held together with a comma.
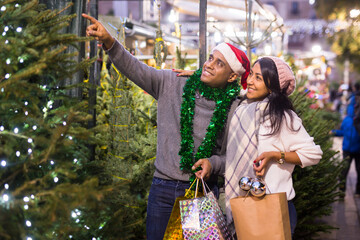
x: 346, y: 215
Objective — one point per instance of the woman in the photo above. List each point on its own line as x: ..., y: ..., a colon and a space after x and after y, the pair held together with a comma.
x: 267, y: 137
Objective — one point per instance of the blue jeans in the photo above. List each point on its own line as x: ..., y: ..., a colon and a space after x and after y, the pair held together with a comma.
x: 293, y: 216
x: 162, y: 196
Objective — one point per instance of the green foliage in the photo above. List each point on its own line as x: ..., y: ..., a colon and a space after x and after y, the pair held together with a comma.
x: 346, y: 45
x: 335, y: 9
x: 127, y: 116
x: 315, y: 186
x: 333, y: 117
x: 130, y: 153
x: 180, y: 61
x: 43, y: 135
x: 345, y: 42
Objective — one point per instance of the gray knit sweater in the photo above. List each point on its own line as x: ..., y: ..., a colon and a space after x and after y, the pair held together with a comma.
x: 167, y: 89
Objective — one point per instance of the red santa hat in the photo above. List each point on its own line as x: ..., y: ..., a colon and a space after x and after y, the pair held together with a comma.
x: 237, y: 60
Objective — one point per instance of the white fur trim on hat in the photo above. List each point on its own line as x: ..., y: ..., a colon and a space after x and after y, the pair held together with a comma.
x: 230, y: 57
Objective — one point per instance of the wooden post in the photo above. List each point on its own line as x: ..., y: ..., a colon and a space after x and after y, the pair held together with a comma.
x: 202, y: 32
x: 94, y: 76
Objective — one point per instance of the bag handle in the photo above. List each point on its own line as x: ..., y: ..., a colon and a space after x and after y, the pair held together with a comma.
x: 189, y: 189
x: 205, y: 186
x: 192, y: 184
x: 196, y: 189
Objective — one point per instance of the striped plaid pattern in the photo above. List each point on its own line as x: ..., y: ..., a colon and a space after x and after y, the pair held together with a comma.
x: 241, y: 148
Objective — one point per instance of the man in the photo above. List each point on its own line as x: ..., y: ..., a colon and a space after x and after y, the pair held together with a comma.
x: 191, y: 118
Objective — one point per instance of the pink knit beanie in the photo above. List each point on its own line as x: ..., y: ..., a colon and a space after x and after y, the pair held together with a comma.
x: 286, y: 75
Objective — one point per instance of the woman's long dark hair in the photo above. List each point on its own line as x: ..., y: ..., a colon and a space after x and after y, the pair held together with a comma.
x: 279, y: 103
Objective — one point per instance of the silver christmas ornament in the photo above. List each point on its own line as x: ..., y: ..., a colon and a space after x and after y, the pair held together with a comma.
x: 245, y: 183
x: 257, y: 188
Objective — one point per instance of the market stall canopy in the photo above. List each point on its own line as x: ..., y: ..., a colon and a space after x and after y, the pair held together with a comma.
x: 228, y: 10
x: 133, y: 28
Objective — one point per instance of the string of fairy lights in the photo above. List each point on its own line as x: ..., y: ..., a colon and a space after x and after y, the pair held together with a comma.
x: 28, y: 144
x: 6, y: 199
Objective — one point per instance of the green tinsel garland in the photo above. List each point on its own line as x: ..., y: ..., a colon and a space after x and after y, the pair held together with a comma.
x: 223, y: 99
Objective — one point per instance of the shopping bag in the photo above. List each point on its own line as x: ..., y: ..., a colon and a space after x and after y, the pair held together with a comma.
x: 202, y: 218
x: 173, y: 229
x: 266, y: 217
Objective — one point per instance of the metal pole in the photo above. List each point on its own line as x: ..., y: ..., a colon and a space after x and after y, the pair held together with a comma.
x: 249, y: 31
x: 202, y: 32
x: 141, y: 11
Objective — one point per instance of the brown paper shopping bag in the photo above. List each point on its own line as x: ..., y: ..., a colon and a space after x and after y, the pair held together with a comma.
x: 261, y: 218
x: 173, y: 229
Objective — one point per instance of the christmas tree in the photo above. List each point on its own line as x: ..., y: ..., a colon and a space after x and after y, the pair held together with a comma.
x: 316, y: 186
x: 127, y: 116
x: 44, y: 155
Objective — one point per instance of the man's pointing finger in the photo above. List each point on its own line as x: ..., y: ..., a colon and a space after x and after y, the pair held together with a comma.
x: 92, y: 20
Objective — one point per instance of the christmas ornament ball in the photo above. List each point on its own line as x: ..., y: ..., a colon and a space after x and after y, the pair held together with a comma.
x: 245, y: 183
x: 257, y: 188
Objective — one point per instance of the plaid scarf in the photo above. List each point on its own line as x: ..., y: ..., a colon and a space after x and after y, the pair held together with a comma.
x: 241, y: 148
